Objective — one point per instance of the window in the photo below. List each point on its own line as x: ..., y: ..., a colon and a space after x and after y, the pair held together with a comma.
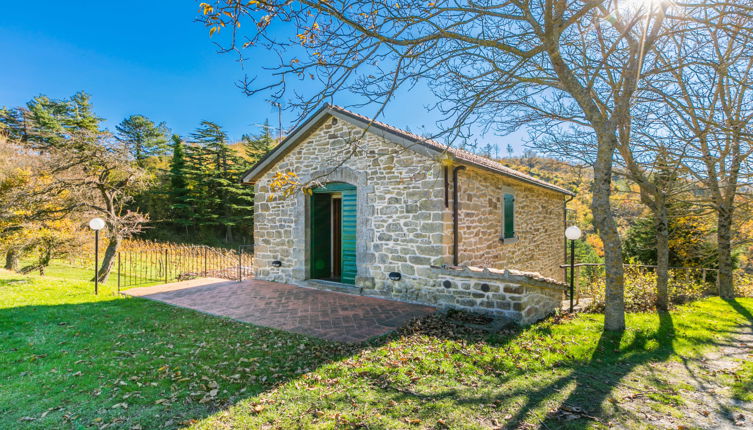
x: 508, y: 217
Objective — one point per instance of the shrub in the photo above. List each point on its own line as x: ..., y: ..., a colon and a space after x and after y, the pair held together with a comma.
x: 743, y: 284
x: 640, y: 289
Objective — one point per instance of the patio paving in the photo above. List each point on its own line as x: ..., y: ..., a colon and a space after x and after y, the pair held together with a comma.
x: 323, y: 314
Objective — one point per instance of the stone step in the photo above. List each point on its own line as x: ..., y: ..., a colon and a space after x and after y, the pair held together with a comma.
x: 321, y: 284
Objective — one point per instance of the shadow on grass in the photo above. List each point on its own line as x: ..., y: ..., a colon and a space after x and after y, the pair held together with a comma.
x: 126, y: 363
x: 123, y: 347
x: 595, y: 382
x: 597, y: 379
x: 740, y: 309
x: 589, y: 383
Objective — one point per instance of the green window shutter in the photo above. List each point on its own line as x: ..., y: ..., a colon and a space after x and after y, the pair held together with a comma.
x: 320, y: 235
x: 508, y: 227
x: 349, y: 211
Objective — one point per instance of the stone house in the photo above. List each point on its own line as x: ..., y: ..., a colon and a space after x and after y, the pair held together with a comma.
x: 384, y: 212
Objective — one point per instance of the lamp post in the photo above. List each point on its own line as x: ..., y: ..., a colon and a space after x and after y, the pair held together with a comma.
x: 96, y: 224
x: 573, y: 233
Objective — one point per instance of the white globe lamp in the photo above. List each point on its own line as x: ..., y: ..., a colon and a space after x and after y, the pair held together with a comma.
x: 573, y: 232
x: 97, y: 224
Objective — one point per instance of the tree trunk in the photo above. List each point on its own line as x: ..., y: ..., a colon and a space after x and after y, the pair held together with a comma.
x: 112, y: 249
x: 12, y: 257
x: 228, y: 234
x: 724, y: 245
x: 662, y: 257
x: 614, y: 310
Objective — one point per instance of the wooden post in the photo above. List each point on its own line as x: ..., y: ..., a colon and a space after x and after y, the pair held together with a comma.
x: 166, y: 276
x: 718, y: 285
x: 118, y: 273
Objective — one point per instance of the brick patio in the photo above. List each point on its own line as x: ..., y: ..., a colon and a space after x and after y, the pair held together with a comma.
x: 324, y: 314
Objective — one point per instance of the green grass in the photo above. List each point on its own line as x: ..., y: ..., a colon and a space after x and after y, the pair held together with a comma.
x: 61, y: 269
x: 743, y: 386
x: 73, y: 360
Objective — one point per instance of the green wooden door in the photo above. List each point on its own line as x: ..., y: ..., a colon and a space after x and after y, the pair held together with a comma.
x: 348, y: 235
x: 320, y: 235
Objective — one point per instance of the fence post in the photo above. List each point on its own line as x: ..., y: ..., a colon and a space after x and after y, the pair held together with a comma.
x: 718, y: 284
x: 166, y: 275
x: 118, y: 273
x: 240, y: 264
x: 205, y: 261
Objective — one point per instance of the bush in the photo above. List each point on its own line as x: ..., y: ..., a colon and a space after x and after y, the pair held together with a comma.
x: 640, y: 289
x: 743, y: 284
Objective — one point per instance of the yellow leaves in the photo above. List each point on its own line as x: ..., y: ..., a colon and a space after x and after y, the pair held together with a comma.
x: 596, y: 243
x: 309, y: 35
x: 206, y: 8
x: 285, y: 183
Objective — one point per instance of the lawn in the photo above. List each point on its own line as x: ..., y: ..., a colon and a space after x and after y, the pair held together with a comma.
x: 73, y: 360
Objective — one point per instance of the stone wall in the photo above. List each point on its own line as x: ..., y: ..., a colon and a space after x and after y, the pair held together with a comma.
x: 520, y: 296
x: 403, y: 226
x: 540, y: 240
x: 400, y: 215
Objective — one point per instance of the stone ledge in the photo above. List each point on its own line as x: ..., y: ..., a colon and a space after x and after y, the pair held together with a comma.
x: 514, y: 276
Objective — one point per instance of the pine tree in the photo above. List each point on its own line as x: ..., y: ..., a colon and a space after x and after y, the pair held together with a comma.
x: 218, y: 198
x: 143, y: 137
x: 255, y: 147
x: 180, y: 207
x: 46, y: 122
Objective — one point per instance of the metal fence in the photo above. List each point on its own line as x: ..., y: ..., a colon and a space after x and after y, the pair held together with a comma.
x: 157, y: 263
x: 587, y: 275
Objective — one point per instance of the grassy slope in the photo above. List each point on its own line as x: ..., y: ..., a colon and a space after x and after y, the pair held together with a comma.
x: 446, y: 382
x: 130, y: 362
x: 70, y: 357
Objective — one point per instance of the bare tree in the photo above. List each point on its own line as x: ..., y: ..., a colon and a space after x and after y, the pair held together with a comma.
x: 708, y: 96
x: 645, y: 156
x: 493, y: 64
x: 92, y: 170
x: 102, y: 176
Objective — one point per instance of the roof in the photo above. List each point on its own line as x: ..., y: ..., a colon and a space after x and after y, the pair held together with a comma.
x: 407, y: 139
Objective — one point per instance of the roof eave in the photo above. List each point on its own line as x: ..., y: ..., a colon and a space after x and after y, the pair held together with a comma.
x: 251, y: 175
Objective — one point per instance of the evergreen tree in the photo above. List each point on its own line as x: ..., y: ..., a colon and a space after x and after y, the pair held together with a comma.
x: 46, y: 122
x: 180, y: 207
x: 218, y: 198
x: 143, y: 137
x: 255, y: 147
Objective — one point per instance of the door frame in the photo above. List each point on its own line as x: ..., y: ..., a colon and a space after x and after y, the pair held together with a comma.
x: 334, y: 189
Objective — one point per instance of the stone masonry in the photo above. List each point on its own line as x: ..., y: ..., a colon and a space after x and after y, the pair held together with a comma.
x: 403, y: 226
x: 539, y: 242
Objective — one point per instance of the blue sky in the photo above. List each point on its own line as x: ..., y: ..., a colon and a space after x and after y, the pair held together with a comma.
x: 148, y: 58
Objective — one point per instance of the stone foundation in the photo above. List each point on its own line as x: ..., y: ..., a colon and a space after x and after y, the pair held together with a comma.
x: 521, y: 296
